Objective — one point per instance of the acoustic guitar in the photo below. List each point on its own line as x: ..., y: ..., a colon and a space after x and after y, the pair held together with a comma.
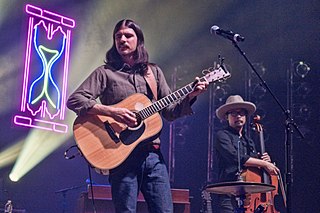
x: 106, y: 143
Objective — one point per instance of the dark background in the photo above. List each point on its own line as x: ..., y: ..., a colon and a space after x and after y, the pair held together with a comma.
x: 279, y: 34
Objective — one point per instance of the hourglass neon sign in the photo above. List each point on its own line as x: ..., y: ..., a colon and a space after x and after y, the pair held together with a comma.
x: 43, y: 96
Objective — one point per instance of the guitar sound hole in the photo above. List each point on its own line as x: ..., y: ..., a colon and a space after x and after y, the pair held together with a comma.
x: 130, y: 135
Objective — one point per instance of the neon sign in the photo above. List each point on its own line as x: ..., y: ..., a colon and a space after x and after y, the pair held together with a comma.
x: 46, y: 69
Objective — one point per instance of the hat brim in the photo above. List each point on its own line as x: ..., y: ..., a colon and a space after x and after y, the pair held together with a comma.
x: 222, y: 110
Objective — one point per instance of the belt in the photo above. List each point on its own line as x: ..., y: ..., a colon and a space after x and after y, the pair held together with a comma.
x: 151, y: 147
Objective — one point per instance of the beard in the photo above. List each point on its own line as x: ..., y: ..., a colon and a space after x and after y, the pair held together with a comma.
x: 238, y: 123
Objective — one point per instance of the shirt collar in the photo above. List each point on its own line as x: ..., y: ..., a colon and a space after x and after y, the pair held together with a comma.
x: 234, y: 131
x: 125, y: 67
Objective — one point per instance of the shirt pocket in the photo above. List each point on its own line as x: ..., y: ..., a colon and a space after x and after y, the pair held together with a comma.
x: 116, y: 92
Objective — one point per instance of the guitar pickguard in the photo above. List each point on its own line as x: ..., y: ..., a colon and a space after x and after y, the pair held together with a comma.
x: 111, y: 132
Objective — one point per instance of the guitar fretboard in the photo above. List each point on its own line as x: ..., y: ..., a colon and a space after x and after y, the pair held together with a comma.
x: 167, y: 100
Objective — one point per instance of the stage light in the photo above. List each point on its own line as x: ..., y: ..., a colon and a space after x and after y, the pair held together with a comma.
x: 222, y: 91
x: 260, y: 68
x: 261, y: 106
x: 10, y: 154
x: 258, y: 91
x: 37, y: 146
x: 302, y: 111
x: 302, y: 69
x: 303, y: 89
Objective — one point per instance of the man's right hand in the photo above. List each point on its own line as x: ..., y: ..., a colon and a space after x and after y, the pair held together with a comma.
x: 125, y: 116
x: 121, y: 115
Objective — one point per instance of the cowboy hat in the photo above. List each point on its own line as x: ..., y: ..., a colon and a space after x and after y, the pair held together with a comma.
x: 235, y: 102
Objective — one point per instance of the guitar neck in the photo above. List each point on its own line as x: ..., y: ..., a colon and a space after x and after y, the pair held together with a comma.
x: 209, y: 207
x: 167, y: 100
x: 266, y: 176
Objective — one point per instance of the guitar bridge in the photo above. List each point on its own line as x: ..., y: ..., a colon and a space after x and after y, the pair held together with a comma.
x: 111, y: 132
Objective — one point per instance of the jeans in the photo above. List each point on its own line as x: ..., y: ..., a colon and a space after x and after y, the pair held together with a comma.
x: 226, y: 204
x: 143, y: 171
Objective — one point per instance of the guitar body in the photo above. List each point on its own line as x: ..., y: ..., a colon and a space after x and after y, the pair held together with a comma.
x: 106, y: 143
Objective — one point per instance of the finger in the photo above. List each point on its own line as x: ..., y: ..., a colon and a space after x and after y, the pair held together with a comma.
x: 130, y: 118
x: 130, y: 121
x: 195, y: 83
x: 266, y: 157
x: 203, y: 86
x: 278, y: 170
x: 275, y: 170
x: 206, y: 83
x: 128, y: 112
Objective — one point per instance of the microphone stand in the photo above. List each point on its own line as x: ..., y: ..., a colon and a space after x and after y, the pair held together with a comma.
x: 289, y: 123
x: 239, y: 198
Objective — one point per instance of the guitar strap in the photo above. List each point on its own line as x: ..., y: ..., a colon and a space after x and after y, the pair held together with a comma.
x: 151, y: 81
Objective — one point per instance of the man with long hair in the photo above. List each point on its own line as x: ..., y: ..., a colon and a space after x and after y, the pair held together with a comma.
x: 123, y: 74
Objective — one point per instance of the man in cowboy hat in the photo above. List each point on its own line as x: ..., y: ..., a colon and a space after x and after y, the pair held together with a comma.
x: 235, y: 151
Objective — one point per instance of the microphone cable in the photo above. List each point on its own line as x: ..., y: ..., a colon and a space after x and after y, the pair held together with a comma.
x: 69, y: 157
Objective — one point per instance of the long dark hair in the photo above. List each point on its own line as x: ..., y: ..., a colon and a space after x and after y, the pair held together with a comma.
x: 141, y: 56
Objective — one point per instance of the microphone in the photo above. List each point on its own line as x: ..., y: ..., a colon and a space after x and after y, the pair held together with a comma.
x: 228, y: 34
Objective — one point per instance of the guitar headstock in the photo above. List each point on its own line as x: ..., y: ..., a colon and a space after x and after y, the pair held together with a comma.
x: 219, y: 73
x: 206, y: 196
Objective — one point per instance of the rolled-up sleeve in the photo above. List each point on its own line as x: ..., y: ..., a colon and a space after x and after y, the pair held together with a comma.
x: 84, y: 97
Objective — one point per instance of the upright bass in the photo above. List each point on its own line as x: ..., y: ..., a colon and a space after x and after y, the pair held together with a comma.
x: 262, y: 202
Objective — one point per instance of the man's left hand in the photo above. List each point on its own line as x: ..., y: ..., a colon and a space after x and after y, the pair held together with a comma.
x: 200, y: 87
